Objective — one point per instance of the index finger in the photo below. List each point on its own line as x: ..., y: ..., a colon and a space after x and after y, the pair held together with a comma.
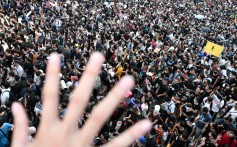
x: 50, y: 91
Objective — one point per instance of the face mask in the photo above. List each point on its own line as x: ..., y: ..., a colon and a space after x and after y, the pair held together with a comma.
x: 195, y: 102
x: 230, y: 134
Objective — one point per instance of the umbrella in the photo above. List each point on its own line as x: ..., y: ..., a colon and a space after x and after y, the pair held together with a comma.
x: 199, y: 17
x: 206, y: 29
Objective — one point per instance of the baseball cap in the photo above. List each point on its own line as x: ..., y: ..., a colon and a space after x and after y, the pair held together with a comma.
x: 157, y: 109
x: 142, y: 140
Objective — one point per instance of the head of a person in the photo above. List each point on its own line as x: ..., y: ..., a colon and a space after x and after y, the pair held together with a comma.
x: 183, y: 136
x: 104, y: 137
x: 11, y: 74
x: 165, y: 81
x: 17, y: 78
x: 167, y: 99
x: 209, y: 99
x: 153, y: 131
x: 205, y: 110
x: 212, y: 135
x: 231, y: 132
x: 198, y: 89
x: 213, y: 126
x: 228, y: 120
x: 6, y: 84
x: 16, y: 63
x: 149, y: 93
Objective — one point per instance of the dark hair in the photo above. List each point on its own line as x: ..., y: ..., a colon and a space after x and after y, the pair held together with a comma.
x: 182, y: 123
x: 205, y: 110
x: 153, y: 131
x: 167, y: 98
x: 1, y: 122
x: 214, y: 135
x: 214, y: 125
x: 17, y: 78
x: 185, y: 135
x: 6, y: 84
x: 106, y: 135
x: 1, y: 109
x: 165, y: 127
x: 30, y: 80
x: 11, y: 73
x: 229, y: 118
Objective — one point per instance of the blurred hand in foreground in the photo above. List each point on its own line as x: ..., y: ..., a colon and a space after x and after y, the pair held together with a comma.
x: 53, y: 132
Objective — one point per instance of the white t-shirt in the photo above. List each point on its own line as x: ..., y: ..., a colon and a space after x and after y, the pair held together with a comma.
x: 19, y: 71
x: 165, y: 135
x: 144, y: 107
x: 214, y: 107
x: 233, y: 113
x: 5, y: 96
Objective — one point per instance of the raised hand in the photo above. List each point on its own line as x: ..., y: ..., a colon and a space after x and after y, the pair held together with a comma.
x: 54, y: 132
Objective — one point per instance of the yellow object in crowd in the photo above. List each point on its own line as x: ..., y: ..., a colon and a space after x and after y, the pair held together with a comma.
x: 119, y: 71
x: 213, y: 49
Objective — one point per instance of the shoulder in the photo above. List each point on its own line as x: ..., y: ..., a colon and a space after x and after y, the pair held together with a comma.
x: 7, y: 125
x: 209, y: 116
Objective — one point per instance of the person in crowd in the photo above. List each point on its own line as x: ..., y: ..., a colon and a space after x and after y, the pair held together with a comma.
x: 5, y: 130
x: 203, y: 118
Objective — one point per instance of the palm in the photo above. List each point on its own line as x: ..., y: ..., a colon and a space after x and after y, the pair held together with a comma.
x: 54, y: 132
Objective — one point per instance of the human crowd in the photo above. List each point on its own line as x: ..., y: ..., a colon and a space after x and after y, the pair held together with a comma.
x: 189, y: 96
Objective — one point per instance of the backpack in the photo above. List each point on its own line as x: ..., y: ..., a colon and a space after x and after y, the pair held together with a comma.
x: 170, y: 106
x: 159, y: 132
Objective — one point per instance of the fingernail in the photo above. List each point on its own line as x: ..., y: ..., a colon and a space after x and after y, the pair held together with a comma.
x: 126, y: 83
x: 53, y: 57
x: 97, y: 58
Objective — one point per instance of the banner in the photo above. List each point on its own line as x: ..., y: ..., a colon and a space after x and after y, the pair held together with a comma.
x: 213, y: 49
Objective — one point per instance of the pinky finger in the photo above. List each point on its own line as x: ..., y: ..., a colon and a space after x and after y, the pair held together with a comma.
x: 20, y: 131
x: 130, y: 135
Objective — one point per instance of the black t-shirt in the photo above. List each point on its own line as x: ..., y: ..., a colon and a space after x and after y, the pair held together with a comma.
x: 189, y: 128
x: 29, y: 68
x: 206, y: 132
x: 9, y: 60
x: 151, y: 141
x: 163, y: 88
x: 208, y: 143
x: 179, y: 143
x: 188, y: 113
x: 18, y: 87
x: 135, y: 117
x: 78, y: 56
x: 196, y: 107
